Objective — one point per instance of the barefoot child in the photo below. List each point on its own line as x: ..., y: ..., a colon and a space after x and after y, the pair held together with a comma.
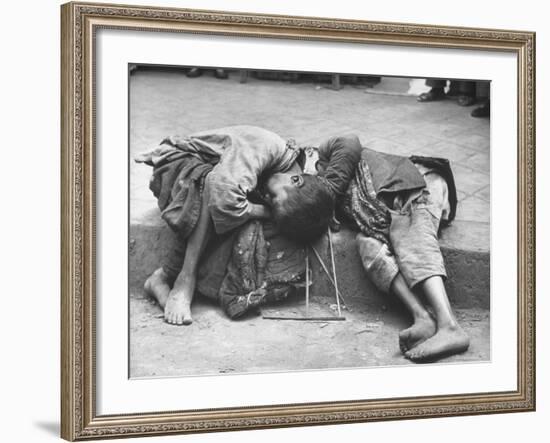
x: 398, y: 204
x: 203, y: 184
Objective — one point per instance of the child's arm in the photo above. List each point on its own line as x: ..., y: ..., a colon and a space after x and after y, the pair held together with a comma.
x: 259, y: 211
x: 338, y: 158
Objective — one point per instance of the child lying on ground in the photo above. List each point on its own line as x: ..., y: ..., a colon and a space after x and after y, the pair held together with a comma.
x: 398, y: 204
x: 203, y: 183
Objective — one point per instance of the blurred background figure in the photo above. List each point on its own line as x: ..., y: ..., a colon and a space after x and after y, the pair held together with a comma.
x: 197, y: 72
x: 462, y: 91
x: 483, y: 97
x: 466, y: 93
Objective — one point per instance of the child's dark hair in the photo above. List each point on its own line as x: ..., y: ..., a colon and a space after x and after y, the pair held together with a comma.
x: 306, y: 212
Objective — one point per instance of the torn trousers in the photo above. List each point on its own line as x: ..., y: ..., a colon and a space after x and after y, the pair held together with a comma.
x: 413, y: 236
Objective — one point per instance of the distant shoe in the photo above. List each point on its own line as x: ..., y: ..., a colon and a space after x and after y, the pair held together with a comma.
x: 194, y: 72
x: 432, y: 95
x: 221, y: 74
x: 482, y: 111
x: 466, y: 100
x: 453, y: 91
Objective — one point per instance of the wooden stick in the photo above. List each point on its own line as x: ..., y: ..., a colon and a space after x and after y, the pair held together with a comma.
x: 307, y: 283
x: 334, y: 272
x: 273, y: 317
x: 327, y: 272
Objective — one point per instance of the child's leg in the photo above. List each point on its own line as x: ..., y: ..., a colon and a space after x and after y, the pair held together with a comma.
x: 450, y: 338
x: 381, y: 268
x: 178, y: 306
x: 414, y: 236
x: 423, y: 326
x: 158, y: 287
x: 159, y: 282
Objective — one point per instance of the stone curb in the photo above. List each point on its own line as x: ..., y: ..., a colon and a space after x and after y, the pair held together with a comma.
x: 468, y: 268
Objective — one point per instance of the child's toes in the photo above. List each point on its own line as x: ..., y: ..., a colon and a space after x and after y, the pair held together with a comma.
x: 414, y: 354
x: 404, y: 337
x: 169, y: 317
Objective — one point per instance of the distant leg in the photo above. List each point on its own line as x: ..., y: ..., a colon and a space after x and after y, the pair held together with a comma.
x: 436, y: 92
x: 382, y: 269
x: 450, y: 338
x: 157, y: 286
x: 178, y: 305
x: 423, y: 326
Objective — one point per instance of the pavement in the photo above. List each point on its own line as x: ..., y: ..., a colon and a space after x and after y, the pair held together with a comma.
x: 167, y: 102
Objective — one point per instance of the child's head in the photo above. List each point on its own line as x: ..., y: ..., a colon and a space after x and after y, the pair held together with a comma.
x: 302, y: 205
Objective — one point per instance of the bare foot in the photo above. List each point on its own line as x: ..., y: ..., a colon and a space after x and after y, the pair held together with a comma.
x: 178, y: 308
x: 420, y: 331
x: 157, y: 287
x: 447, y: 341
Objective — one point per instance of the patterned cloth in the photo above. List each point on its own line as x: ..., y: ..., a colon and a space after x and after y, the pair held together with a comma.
x: 361, y: 205
x: 380, y: 184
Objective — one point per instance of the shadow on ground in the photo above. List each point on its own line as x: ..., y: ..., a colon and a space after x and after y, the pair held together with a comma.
x: 214, y: 344
x: 49, y: 427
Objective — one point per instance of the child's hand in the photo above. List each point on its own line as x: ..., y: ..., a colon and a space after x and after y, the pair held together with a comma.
x: 334, y: 224
x: 259, y: 211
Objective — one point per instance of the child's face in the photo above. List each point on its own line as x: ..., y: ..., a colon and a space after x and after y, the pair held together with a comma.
x: 278, y: 186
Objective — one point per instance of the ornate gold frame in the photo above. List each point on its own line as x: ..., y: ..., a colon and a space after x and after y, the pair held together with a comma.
x: 79, y: 21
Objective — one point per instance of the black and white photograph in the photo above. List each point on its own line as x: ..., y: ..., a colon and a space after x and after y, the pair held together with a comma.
x: 275, y: 221
x: 285, y: 221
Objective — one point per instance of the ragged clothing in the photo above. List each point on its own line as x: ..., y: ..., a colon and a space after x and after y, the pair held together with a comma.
x: 398, y: 204
x: 235, y: 157
x: 247, y: 263
x: 413, y: 247
x: 264, y: 267
x: 180, y: 167
x: 244, y: 268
